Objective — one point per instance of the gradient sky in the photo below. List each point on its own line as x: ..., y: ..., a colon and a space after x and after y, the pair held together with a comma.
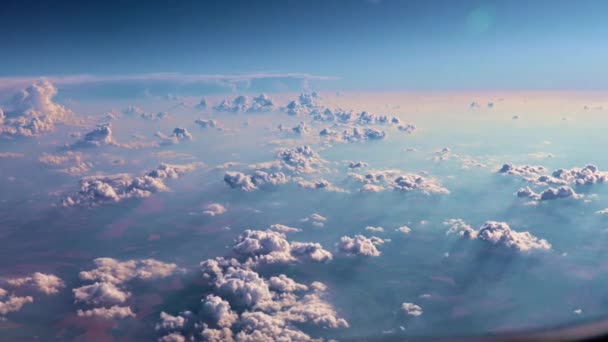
x: 368, y: 44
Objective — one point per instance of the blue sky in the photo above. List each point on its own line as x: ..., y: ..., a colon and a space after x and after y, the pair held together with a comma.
x: 379, y: 44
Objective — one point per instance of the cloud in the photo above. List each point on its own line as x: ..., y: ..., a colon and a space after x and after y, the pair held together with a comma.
x: 100, y: 294
x: 214, y: 209
x: 219, y: 310
x: 270, y: 247
x: 99, y: 190
x: 398, y: 180
x: 411, y: 309
x: 316, y: 220
x: 374, y: 229
x: 408, y: 128
x: 109, y: 278
x: 354, y: 134
x: 113, y: 312
x: 252, y: 182
x: 281, y: 228
x: 32, y: 112
x: 499, y: 233
x: 12, y: 303
x: 360, y: 245
x: 525, y: 171
x: 357, y: 164
x: 404, y: 229
x: 246, y: 306
x: 261, y: 103
x: 73, y: 162
x: 319, y: 184
x: 227, y: 81
x: 45, y: 283
x: 116, y: 272
x: 100, y: 135
x: 11, y: 155
x: 202, y: 104
x: 178, y: 135
x: 206, y: 123
x: 549, y: 194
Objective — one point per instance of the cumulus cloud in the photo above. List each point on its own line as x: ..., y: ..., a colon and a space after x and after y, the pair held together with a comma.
x: 202, y: 104
x: 357, y: 164
x: 239, y: 180
x: 499, y: 233
x: 246, y: 306
x: 271, y: 247
x: 321, y: 184
x: 113, y: 312
x: 374, y: 229
x: 100, y: 294
x: 316, y: 220
x: 261, y: 103
x: 45, y: 283
x: 109, y: 278
x: 354, y: 134
x: 206, y: 123
x: 398, y: 180
x: 408, y: 128
x: 404, y: 229
x: 99, y: 190
x: 12, y: 303
x: 549, y: 194
x: 281, y: 228
x: 100, y: 135
x: 522, y: 170
x: 137, y: 111
x: 71, y: 162
x: 32, y: 111
x: 411, y: 309
x: 214, y: 209
x: 178, y: 135
x: 360, y: 245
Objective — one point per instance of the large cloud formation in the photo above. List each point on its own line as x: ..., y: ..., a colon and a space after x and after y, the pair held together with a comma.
x: 498, y: 233
x: 587, y: 175
x: 247, y: 306
x: 32, y: 111
x: 98, y: 190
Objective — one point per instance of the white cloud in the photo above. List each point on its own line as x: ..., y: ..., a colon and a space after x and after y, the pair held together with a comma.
x: 499, y: 233
x: 411, y: 309
x: 99, y: 190
x: 404, y: 229
x: 549, y: 194
x: 252, y: 182
x: 284, y: 229
x: 45, y: 283
x: 219, y: 310
x: 100, y: 294
x: 214, y: 209
x: 32, y: 111
x: 177, y: 136
x: 73, y: 163
x: 360, y: 245
x: 398, y: 180
x: 261, y: 103
x: 374, y: 229
x: 12, y: 303
x: 113, y: 312
x: 207, y: 123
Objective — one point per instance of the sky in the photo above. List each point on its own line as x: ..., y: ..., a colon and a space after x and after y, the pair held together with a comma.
x: 366, y: 44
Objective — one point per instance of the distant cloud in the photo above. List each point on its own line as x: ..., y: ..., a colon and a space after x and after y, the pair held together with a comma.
x: 45, y: 283
x: 70, y: 162
x: 261, y: 103
x: 206, y: 123
x: 113, y: 312
x: 549, y: 194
